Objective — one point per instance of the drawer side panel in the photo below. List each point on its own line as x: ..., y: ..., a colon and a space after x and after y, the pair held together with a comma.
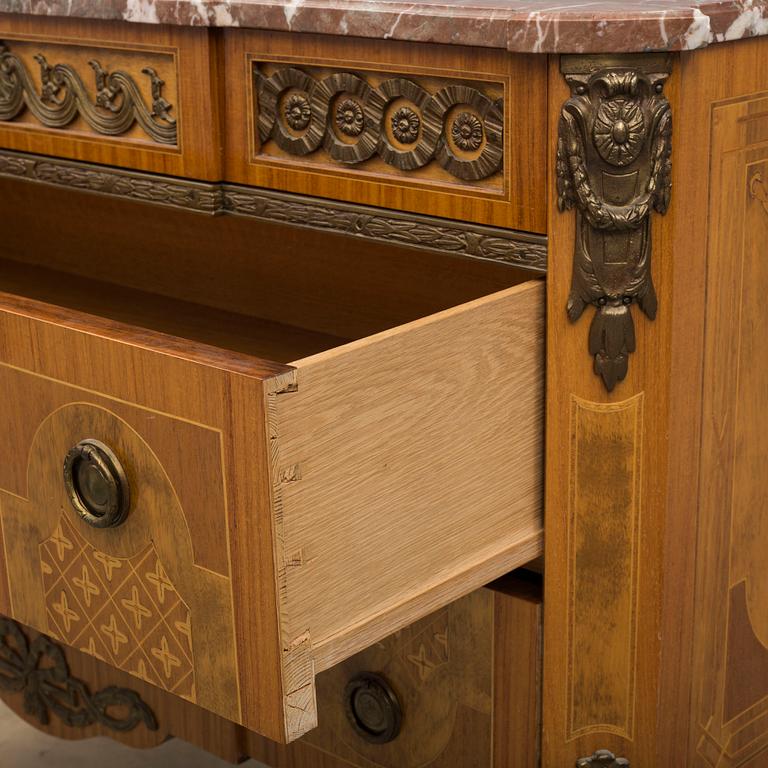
x: 410, y: 468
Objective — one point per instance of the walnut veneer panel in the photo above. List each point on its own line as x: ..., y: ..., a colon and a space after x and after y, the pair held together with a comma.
x: 135, y: 96
x: 451, y: 132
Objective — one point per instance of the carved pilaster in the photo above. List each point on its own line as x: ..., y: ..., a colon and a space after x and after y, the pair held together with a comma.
x: 614, y: 167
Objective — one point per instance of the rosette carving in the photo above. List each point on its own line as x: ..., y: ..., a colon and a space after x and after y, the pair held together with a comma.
x: 614, y: 168
x: 458, y: 127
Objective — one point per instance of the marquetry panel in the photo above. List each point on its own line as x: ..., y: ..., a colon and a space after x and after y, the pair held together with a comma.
x: 730, y: 691
x: 152, y: 597
x: 128, y: 95
x: 605, y: 475
x: 124, y: 610
x: 454, y: 133
x: 466, y: 677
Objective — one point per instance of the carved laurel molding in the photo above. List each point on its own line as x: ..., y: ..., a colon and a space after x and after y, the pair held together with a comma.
x: 614, y: 167
x: 408, y: 127
x: 39, y: 669
x: 116, y: 107
x: 423, y: 232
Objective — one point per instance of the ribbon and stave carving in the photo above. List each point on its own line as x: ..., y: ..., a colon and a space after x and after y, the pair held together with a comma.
x: 353, y: 119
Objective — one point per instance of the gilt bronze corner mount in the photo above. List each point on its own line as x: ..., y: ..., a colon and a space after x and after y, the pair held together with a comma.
x: 614, y: 168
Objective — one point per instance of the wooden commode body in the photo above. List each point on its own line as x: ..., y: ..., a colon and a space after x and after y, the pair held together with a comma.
x: 386, y: 386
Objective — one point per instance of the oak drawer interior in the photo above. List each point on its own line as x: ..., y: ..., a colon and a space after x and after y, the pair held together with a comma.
x: 381, y: 413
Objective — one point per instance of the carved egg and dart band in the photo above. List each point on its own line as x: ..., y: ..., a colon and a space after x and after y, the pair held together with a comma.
x: 398, y: 120
x: 614, y: 168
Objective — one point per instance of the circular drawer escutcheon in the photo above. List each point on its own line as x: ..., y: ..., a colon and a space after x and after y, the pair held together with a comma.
x: 372, y: 708
x: 96, y: 484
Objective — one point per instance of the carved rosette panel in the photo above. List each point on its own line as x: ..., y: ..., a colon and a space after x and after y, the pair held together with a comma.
x: 354, y: 118
x: 115, y: 106
x: 124, y: 611
x: 614, y: 167
x: 39, y: 670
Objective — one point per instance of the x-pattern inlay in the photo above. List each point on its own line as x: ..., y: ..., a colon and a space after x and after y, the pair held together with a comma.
x: 108, y: 606
x: 135, y: 607
x: 84, y: 583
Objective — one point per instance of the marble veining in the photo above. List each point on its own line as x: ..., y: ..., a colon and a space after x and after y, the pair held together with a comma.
x: 539, y: 26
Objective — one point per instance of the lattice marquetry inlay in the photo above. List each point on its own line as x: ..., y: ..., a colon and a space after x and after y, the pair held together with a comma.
x: 125, y: 611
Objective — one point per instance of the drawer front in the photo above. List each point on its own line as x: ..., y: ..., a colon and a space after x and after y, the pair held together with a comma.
x: 455, y: 133
x: 165, y: 596
x: 280, y: 518
x: 460, y: 687
x: 137, y: 96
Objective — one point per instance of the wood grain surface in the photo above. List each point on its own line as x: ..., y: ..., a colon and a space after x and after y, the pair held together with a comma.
x: 405, y: 449
x: 730, y: 663
x: 606, y: 505
x: 83, y: 361
x: 318, y: 281
x: 471, y: 410
x: 467, y: 678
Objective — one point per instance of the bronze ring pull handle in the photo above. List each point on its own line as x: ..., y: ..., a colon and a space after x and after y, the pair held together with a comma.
x: 372, y: 708
x: 96, y: 484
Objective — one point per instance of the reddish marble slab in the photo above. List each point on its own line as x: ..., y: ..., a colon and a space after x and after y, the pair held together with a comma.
x: 539, y: 26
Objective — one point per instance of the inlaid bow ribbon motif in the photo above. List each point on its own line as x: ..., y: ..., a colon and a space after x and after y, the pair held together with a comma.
x: 39, y: 670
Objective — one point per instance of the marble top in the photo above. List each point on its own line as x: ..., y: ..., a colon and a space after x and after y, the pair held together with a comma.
x: 539, y: 26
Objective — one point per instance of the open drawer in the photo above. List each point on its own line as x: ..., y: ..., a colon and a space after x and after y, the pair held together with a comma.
x: 256, y: 509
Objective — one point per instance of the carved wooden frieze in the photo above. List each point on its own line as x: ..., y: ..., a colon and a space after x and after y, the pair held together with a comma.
x: 39, y: 669
x: 354, y: 117
x: 112, y: 108
x: 614, y: 167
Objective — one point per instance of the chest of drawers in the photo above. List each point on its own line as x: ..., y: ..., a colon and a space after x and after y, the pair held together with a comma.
x: 313, y: 324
